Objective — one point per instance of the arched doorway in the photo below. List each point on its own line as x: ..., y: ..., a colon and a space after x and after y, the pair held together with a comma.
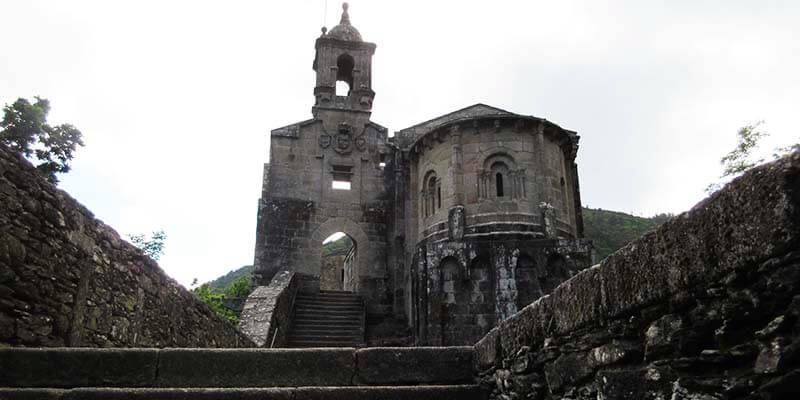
x: 338, y: 269
x: 313, y: 258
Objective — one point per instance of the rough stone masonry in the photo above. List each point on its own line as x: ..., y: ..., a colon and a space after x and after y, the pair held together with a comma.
x: 67, y: 279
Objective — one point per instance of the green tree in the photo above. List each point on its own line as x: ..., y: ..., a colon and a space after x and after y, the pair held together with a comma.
x: 741, y: 158
x: 213, y: 298
x: 25, y: 130
x: 241, y: 287
x: 152, y: 246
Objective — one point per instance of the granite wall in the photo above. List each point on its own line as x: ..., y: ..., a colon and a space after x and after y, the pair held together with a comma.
x: 706, y: 307
x: 67, y: 279
x: 266, y: 316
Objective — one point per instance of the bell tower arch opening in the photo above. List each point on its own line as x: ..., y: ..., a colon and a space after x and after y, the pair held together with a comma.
x: 344, y: 74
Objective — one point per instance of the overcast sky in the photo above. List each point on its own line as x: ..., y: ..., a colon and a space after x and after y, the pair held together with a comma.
x: 176, y: 99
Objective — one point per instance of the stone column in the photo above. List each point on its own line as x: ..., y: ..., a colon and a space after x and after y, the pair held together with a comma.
x: 457, y: 170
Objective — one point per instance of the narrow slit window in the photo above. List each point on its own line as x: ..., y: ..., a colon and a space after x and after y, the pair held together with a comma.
x: 499, y: 183
x: 439, y: 196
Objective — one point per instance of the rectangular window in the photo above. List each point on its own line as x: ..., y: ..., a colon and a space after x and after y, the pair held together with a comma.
x: 342, y: 177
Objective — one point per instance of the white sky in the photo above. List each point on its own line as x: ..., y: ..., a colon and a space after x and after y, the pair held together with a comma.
x: 176, y: 98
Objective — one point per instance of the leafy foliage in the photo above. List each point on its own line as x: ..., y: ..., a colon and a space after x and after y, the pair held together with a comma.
x: 741, y: 158
x: 610, y: 230
x: 25, y: 130
x: 152, y: 246
x: 214, y: 299
x: 240, y: 287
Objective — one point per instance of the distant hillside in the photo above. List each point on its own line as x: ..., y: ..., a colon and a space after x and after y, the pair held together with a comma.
x: 610, y: 230
x: 223, y: 281
x: 343, y: 243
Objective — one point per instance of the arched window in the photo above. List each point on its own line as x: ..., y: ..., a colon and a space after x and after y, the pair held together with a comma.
x: 498, y: 180
x: 499, y: 173
x: 432, y: 191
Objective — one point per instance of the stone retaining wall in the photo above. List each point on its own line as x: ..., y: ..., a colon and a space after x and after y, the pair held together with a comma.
x: 266, y: 316
x: 706, y: 307
x: 67, y: 279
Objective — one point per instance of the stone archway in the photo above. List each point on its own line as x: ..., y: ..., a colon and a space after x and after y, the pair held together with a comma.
x: 351, y: 229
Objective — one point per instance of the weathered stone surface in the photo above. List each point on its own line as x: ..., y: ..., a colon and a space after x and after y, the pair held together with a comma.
x: 67, y: 279
x: 403, y: 365
x: 706, y: 307
x: 255, y: 368
x: 179, y: 394
x: 74, y: 367
x: 266, y: 312
x: 460, y: 392
x: 649, y: 383
x: 31, y: 394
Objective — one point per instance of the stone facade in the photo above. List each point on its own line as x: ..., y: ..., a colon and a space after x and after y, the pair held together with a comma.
x: 458, y: 221
x: 67, y: 279
x: 705, y: 307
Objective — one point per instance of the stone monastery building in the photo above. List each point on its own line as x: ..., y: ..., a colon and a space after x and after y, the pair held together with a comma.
x: 457, y: 222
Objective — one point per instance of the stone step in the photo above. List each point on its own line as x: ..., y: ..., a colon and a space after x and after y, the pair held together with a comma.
x: 329, y: 307
x: 332, y: 332
x: 321, y: 344
x: 326, y: 317
x: 354, y: 300
x: 326, y: 328
x: 305, y: 311
x: 330, y: 295
x: 428, y: 392
x: 232, y: 368
x: 329, y: 303
x: 333, y: 321
x: 328, y: 337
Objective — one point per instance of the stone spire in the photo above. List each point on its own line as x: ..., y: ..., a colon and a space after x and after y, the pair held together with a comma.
x: 345, y: 16
x: 345, y: 31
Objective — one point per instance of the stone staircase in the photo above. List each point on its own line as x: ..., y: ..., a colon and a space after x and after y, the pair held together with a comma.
x: 386, y: 373
x: 327, y: 318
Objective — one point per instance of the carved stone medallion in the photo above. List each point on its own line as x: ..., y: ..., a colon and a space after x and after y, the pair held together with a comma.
x: 324, y: 141
x: 361, y: 143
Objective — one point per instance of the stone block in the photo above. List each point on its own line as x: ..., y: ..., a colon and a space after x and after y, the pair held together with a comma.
x: 460, y: 392
x: 643, y: 383
x: 77, y: 367
x: 398, y: 365
x: 31, y: 394
x: 179, y: 394
x: 255, y: 368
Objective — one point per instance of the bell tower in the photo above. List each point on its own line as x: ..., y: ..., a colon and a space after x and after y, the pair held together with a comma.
x: 343, y: 59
